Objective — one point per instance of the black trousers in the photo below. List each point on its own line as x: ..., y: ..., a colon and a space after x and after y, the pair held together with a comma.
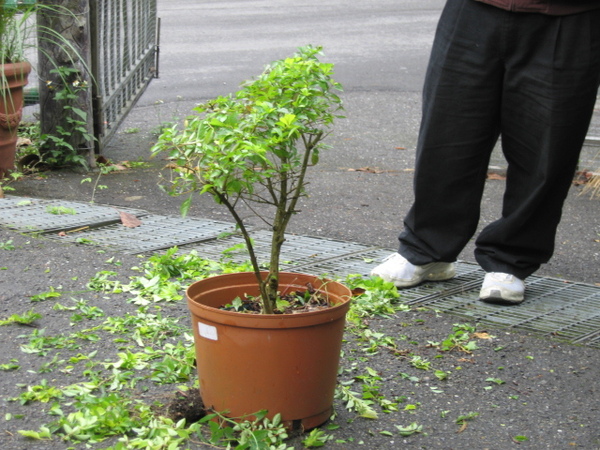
x: 531, y: 78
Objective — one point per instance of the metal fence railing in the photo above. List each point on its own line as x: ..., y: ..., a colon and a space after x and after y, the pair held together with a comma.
x: 124, y: 51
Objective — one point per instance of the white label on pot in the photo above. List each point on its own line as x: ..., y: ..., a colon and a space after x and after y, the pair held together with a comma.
x: 208, y: 331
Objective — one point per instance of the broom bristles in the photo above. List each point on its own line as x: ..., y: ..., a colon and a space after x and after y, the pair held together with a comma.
x: 592, y: 186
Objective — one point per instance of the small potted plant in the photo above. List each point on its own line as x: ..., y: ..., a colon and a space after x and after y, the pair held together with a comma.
x: 254, y: 149
x: 22, y: 33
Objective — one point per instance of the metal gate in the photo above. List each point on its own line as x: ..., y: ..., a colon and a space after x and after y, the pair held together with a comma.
x: 124, y: 51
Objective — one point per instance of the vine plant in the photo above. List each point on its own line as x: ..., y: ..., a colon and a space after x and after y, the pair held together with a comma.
x: 64, y: 145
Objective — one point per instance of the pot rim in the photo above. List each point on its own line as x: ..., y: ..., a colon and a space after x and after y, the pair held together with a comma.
x: 337, y: 310
x: 20, y: 67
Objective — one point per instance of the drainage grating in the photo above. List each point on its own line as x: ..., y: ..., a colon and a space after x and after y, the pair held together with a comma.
x: 232, y: 248
x: 565, y: 309
x: 591, y: 340
x: 296, y: 251
x: 553, y: 306
x: 361, y: 263
x: 36, y: 215
x: 354, y: 264
x: 12, y: 202
x: 155, y: 233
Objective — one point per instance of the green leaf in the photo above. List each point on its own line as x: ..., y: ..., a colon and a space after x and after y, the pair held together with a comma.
x: 410, y: 429
x: 185, y: 206
x: 316, y: 438
x: 465, y: 417
x: 288, y: 119
x: 82, y: 114
x: 441, y: 374
x: 45, y: 295
x: 43, y: 434
x: 471, y: 345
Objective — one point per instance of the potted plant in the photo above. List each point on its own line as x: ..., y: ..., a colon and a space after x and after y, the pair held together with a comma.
x: 27, y: 26
x: 253, y: 149
x: 14, y: 70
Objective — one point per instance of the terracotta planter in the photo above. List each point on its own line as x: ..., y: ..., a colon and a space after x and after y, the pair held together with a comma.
x: 13, y: 77
x: 282, y: 363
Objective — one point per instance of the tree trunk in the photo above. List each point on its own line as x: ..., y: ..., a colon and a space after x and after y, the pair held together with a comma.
x: 66, y: 99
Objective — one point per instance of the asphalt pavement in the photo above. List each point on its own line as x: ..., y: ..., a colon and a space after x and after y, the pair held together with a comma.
x: 362, y: 187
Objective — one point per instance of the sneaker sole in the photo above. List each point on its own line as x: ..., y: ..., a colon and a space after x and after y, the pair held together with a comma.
x: 495, y: 297
x: 434, y: 276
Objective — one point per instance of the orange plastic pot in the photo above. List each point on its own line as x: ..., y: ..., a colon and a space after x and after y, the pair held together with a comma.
x: 13, y: 77
x: 285, y: 364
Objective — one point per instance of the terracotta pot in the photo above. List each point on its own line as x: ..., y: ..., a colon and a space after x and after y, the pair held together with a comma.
x: 285, y: 364
x: 13, y: 77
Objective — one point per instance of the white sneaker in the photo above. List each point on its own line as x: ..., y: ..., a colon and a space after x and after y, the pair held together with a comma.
x: 396, y: 269
x: 502, y: 289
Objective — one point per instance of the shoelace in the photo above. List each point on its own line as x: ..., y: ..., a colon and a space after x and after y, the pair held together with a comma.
x: 505, y: 277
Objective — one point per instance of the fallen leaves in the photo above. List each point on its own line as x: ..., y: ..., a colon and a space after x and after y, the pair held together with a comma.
x: 129, y: 220
x: 582, y: 177
x: 134, y: 198
x: 462, y: 428
x: 495, y: 176
x: 121, y: 166
x: 77, y: 230
x: 482, y: 335
x: 368, y: 169
x: 469, y: 360
x: 113, y: 167
x: 590, y: 181
x: 23, y: 142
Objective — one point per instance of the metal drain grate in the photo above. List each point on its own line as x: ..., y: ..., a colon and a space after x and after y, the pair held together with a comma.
x: 36, y: 215
x: 296, y: 251
x: 232, y: 248
x: 592, y: 340
x: 11, y: 201
x: 362, y: 262
x: 553, y: 306
x: 155, y: 233
x: 354, y: 264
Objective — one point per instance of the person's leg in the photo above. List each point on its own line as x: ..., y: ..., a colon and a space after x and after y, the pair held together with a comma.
x: 551, y: 83
x: 460, y: 125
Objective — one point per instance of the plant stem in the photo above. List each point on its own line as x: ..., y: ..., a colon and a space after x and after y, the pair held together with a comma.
x: 262, y: 284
